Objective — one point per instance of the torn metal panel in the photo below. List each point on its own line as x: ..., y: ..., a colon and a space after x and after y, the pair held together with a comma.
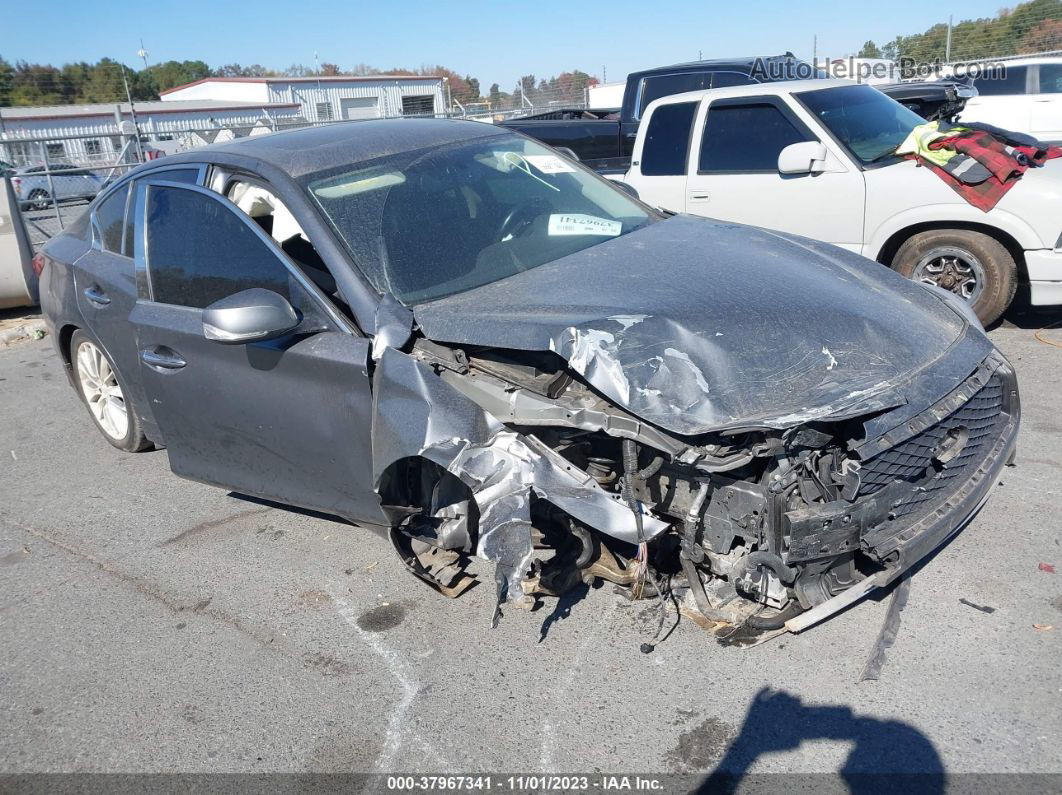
x: 746, y: 328
x: 417, y: 414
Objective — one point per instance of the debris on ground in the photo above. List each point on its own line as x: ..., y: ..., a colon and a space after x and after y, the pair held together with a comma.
x: 1047, y: 567
x: 19, y: 328
x: 982, y: 608
x: 889, y: 630
x: 1043, y: 627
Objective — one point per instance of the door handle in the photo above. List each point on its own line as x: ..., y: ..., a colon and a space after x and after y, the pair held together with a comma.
x: 94, y: 294
x: 698, y: 195
x: 162, y: 358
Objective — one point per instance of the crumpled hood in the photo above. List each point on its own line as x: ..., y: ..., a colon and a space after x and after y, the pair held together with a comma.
x: 697, y: 326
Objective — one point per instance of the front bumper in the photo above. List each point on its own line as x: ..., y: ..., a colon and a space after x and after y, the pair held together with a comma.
x: 1044, y: 267
x: 943, y: 521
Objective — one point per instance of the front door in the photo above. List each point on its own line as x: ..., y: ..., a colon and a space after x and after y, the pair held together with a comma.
x: 733, y: 174
x: 287, y: 419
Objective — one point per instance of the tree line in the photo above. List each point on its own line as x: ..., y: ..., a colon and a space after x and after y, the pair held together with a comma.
x: 1030, y: 27
x: 108, y: 80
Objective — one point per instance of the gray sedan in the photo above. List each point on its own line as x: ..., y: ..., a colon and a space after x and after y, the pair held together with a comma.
x: 456, y: 336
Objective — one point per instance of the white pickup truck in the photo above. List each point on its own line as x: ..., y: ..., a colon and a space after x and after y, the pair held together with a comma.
x: 815, y: 158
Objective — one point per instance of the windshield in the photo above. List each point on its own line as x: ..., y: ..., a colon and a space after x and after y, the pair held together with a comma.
x: 870, y: 124
x: 425, y: 224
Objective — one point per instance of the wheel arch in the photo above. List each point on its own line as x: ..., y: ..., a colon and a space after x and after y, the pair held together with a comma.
x: 891, y: 246
x: 65, y: 335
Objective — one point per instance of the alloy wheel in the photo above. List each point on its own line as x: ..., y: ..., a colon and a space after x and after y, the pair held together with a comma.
x: 99, y: 385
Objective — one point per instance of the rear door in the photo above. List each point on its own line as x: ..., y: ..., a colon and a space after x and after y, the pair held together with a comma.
x: 287, y: 419
x: 1046, y: 113
x: 105, y: 281
x: 658, y: 171
x: 733, y: 173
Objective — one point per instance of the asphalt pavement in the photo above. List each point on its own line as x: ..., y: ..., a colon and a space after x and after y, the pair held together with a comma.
x: 154, y: 624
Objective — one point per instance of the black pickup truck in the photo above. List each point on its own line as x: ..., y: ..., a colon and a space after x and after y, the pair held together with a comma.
x: 604, y: 140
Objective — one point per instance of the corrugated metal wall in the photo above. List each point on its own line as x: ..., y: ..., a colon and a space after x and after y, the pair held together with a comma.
x: 388, y: 94
x: 92, y: 151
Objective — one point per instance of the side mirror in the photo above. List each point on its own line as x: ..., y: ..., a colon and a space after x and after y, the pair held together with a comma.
x: 626, y: 188
x: 249, y: 316
x: 807, y: 157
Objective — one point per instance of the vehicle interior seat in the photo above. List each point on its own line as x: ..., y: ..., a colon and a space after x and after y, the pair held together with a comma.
x: 276, y: 220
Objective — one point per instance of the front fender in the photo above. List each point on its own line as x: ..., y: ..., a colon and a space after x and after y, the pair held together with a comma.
x: 950, y: 213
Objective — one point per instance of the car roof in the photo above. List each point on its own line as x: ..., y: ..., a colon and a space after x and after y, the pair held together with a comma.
x: 311, y: 149
x: 711, y: 65
x: 1032, y: 61
x: 758, y: 89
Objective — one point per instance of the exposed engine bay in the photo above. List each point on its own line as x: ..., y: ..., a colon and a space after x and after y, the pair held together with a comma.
x: 524, y: 463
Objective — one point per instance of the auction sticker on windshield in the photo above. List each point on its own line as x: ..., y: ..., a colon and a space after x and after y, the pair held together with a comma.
x: 549, y: 164
x: 580, y: 224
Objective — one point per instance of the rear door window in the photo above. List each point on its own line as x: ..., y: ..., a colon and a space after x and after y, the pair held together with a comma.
x: 746, y: 137
x: 1011, y: 80
x: 667, y: 140
x: 724, y: 79
x: 1051, y: 78
x: 110, y: 221
x: 199, y: 251
x: 666, y: 85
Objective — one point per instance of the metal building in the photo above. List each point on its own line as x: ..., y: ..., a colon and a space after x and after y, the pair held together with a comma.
x: 88, y: 135
x: 327, y: 98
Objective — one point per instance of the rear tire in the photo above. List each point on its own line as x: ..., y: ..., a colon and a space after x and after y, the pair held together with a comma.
x: 973, y: 265
x: 39, y: 199
x: 104, y: 395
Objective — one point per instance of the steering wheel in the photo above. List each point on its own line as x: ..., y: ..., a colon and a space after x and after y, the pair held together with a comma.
x: 519, y: 219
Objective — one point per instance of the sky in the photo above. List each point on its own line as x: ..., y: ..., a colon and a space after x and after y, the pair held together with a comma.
x: 493, y: 41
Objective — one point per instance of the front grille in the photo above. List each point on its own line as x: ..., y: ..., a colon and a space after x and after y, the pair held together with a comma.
x: 983, y: 418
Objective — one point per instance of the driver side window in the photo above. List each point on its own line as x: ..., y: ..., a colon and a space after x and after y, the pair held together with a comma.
x: 746, y: 138
x: 198, y: 251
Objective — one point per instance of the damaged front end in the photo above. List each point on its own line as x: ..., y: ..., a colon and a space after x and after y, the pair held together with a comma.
x: 516, y: 456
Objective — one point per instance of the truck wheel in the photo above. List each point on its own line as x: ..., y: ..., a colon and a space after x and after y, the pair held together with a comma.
x: 974, y: 266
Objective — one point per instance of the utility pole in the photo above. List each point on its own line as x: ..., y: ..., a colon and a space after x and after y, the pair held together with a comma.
x: 815, y: 51
x: 947, y: 46
x: 132, y: 115
x: 142, y: 53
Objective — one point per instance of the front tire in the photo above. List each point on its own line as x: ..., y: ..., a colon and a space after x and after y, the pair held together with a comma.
x: 104, y: 395
x: 974, y: 266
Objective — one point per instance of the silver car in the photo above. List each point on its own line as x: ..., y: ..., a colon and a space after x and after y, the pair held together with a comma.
x: 68, y: 182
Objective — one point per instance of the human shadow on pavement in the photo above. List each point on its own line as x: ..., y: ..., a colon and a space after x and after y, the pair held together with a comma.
x: 886, y: 754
